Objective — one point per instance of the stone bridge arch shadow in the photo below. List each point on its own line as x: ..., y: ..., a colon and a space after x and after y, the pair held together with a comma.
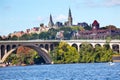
x: 41, y: 51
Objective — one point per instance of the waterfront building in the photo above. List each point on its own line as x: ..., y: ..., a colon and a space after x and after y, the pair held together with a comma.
x: 98, y: 33
x: 83, y: 24
x: 17, y: 33
x: 35, y: 30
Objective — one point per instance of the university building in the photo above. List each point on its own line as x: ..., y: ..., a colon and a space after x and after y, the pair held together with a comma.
x: 94, y: 33
x: 97, y: 33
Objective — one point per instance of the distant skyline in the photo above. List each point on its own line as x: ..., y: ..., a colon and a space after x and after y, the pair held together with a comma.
x: 18, y: 15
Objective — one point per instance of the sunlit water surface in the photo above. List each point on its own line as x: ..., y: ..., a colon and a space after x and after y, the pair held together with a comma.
x: 84, y: 71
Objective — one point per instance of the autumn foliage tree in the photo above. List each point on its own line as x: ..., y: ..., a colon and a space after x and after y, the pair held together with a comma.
x: 25, y: 55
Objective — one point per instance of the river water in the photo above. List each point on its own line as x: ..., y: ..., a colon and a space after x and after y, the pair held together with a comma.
x: 82, y: 71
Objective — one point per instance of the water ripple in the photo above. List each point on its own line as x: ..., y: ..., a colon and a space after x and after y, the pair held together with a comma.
x: 89, y: 71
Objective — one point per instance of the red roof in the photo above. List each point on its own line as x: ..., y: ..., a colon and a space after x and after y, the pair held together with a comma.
x: 95, y: 22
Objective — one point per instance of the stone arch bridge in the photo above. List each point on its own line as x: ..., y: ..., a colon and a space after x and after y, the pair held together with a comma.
x: 43, y: 47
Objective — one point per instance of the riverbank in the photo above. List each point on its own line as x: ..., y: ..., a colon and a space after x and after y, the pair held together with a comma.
x: 3, y: 65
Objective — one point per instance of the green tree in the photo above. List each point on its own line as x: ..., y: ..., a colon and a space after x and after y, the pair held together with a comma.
x: 14, y: 37
x: 52, y: 33
x: 76, y: 28
x: 64, y: 53
x: 34, y: 36
x: 43, y: 35
x: 67, y: 32
x: 25, y: 37
x: 97, y: 54
x: 86, y: 53
x: 87, y: 28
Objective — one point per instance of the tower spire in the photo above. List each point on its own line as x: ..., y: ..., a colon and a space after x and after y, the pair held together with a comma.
x: 50, y: 24
x: 69, y: 14
x: 69, y: 17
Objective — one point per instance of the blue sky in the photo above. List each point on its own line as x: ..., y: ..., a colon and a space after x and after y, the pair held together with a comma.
x: 18, y: 15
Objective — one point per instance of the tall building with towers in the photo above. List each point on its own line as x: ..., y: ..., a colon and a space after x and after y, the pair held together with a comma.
x: 50, y: 24
x: 68, y: 23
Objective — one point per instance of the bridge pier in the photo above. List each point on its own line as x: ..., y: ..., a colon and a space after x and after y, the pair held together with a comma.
x: 102, y: 45
x: 78, y: 48
x: 111, y: 46
x: 48, y: 47
x: 119, y: 48
x: 5, y: 50
x: 0, y: 54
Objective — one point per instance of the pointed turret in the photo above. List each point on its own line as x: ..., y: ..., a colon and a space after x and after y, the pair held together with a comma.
x: 69, y: 14
x: 50, y: 24
x: 69, y: 18
x: 95, y: 25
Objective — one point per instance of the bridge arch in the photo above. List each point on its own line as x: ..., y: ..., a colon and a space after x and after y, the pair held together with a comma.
x: 115, y: 48
x: 75, y: 45
x: 91, y: 45
x: 107, y: 46
x: 51, y: 47
x: 46, y: 46
x: 42, y: 52
x: 2, y: 50
x: 97, y: 45
x: 8, y: 47
x: 13, y: 46
x: 41, y: 46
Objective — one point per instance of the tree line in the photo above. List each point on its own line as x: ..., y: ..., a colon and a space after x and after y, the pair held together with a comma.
x: 68, y: 33
x: 65, y: 53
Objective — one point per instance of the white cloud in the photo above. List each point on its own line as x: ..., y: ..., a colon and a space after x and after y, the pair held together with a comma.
x: 60, y: 17
x: 102, y: 3
x: 39, y: 18
x: 7, y: 7
x: 96, y: 3
x: 112, y: 3
x: 91, y: 3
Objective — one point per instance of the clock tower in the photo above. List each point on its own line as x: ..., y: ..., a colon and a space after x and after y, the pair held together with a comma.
x: 95, y: 25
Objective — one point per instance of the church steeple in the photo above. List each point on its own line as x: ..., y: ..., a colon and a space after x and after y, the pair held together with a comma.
x: 69, y: 18
x: 50, y: 24
x: 69, y: 14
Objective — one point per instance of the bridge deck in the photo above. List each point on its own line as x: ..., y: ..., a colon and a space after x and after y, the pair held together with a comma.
x: 100, y: 41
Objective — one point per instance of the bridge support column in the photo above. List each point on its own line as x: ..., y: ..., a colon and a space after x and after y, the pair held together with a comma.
x: 93, y: 45
x: 49, y: 48
x: 5, y: 49
x: 102, y: 45
x: 0, y: 53
x: 78, y: 47
x: 110, y: 46
x: 119, y: 48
